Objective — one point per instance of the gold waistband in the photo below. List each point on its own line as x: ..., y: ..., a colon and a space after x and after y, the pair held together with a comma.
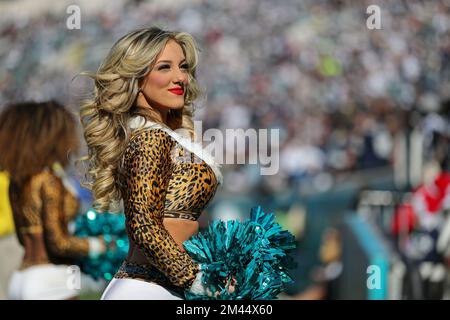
x: 182, y: 214
x: 147, y: 273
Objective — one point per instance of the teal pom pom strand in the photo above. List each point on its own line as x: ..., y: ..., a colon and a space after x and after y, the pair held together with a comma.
x: 112, y: 227
x: 255, y: 252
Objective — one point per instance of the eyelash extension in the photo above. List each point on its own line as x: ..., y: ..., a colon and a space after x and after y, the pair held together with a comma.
x: 185, y: 66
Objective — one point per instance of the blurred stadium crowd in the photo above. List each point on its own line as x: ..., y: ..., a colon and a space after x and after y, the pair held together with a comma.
x: 338, y: 91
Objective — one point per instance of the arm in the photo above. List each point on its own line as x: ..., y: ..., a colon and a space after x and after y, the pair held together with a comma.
x: 147, y: 169
x: 60, y: 242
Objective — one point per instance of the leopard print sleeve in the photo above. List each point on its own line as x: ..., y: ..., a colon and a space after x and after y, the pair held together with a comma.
x: 147, y: 168
x: 58, y: 238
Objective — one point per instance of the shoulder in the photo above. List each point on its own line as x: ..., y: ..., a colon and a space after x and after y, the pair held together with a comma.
x: 153, y: 138
x: 149, y: 145
x: 46, y: 178
x: 145, y: 132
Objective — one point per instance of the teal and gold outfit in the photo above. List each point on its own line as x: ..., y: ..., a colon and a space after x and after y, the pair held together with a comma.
x: 163, y: 174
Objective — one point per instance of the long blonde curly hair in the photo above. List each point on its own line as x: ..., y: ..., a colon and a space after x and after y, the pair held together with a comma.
x: 105, y: 117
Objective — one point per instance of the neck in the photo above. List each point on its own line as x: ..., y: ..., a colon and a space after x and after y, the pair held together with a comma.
x: 160, y: 112
x: 163, y: 115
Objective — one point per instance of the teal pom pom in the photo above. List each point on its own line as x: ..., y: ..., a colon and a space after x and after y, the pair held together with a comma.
x: 112, y: 227
x: 255, y: 252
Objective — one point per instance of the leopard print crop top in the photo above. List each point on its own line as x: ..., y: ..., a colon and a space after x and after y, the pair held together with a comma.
x: 42, y: 209
x: 164, y: 175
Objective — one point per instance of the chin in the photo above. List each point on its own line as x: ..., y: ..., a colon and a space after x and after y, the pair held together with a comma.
x: 177, y: 107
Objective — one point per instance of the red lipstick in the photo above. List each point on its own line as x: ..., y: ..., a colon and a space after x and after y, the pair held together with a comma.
x: 177, y: 90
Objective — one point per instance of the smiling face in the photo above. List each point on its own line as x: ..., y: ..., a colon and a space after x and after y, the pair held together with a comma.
x: 169, y: 73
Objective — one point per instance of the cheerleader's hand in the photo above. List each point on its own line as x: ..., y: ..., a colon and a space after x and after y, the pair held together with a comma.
x: 104, y: 244
x: 231, y: 287
x: 210, y: 294
x: 97, y: 247
x: 199, y: 288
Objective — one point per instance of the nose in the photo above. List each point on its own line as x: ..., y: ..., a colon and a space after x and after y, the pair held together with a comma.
x: 181, y: 77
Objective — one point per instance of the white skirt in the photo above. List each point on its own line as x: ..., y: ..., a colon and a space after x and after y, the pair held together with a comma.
x: 133, y: 289
x: 42, y: 282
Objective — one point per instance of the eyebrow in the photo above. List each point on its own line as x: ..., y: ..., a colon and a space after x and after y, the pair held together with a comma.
x: 169, y: 61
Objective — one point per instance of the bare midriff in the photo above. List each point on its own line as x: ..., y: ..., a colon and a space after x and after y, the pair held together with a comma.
x: 180, y: 230
x: 34, y: 251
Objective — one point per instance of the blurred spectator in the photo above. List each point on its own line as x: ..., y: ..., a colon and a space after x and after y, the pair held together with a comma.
x: 335, y: 88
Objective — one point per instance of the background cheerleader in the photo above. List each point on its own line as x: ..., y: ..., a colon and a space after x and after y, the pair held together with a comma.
x: 35, y: 142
